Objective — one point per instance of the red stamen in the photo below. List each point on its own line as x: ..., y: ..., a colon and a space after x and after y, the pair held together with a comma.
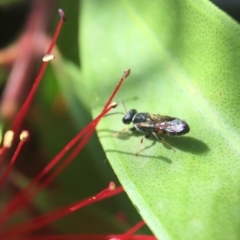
x: 48, y: 57
x: 11, y: 208
x: 91, y: 237
x: 23, y: 138
x: 71, y: 157
x: 20, y: 199
x: 62, y: 14
x: 7, y: 143
x: 131, y: 231
x: 125, y: 75
x: 40, y: 221
x: 22, y: 112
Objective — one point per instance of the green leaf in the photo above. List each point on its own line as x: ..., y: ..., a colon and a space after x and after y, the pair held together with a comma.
x: 185, y: 58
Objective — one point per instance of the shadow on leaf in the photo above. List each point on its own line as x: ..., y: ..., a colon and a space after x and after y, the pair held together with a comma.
x: 165, y: 159
x: 189, y: 144
x: 186, y: 144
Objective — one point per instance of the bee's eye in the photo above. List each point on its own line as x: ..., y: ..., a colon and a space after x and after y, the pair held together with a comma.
x: 129, y: 116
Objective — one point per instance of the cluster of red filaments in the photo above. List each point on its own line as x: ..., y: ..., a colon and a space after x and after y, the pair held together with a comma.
x: 27, y: 229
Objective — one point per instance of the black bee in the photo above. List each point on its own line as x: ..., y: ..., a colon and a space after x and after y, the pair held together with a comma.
x: 156, y: 125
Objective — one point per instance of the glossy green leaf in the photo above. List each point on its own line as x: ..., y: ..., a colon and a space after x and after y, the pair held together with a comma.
x: 184, y: 56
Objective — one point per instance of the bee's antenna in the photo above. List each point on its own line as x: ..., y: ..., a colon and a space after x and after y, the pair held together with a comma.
x: 113, y: 114
x: 123, y: 106
x: 118, y: 112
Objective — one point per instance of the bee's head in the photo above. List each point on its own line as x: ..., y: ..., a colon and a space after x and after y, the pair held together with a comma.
x: 129, y: 116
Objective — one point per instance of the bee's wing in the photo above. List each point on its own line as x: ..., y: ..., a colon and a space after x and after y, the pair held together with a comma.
x: 175, y: 126
x: 160, y: 118
x: 165, y: 124
x: 169, y: 124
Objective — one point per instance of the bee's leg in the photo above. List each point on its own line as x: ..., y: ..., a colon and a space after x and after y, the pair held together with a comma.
x: 141, y: 142
x: 167, y: 145
x: 124, y: 130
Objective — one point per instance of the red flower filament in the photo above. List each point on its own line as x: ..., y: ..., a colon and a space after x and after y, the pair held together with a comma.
x: 26, y: 229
